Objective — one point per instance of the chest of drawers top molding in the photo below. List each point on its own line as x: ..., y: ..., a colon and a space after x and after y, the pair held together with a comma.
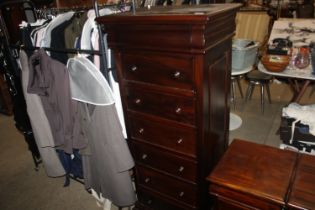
x: 199, y: 27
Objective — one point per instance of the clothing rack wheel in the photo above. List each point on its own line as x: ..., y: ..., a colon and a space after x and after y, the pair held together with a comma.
x: 36, y: 162
x: 77, y: 180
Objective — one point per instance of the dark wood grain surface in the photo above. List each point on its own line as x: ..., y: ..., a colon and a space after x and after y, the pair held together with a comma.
x: 175, y: 165
x: 173, y: 66
x: 250, y: 171
x: 302, y: 194
x: 171, y: 136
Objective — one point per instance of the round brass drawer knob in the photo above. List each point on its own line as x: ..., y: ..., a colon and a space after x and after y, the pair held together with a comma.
x: 179, y: 141
x: 144, y: 156
x: 181, y: 168
x: 147, y: 180
x: 138, y: 101
x: 177, y: 74
x: 181, y: 194
x: 178, y: 110
x: 141, y: 130
x: 134, y: 68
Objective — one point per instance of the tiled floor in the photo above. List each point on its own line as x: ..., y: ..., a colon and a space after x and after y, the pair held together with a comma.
x: 23, y: 188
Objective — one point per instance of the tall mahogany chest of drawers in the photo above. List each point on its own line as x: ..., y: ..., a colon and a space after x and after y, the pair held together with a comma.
x: 173, y: 67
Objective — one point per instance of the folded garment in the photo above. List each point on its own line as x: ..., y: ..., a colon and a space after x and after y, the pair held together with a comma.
x: 305, y: 114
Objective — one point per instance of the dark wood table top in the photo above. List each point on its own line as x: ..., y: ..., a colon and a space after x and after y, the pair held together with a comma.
x: 302, y: 194
x: 252, y: 169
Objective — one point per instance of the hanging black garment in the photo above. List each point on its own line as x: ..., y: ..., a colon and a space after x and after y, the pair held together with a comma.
x: 22, y: 122
x: 26, y: 39
x: 12, y: 76
x: 72, y: 165
x: 58, y: 42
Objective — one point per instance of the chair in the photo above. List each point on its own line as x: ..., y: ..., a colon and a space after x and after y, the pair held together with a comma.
x: 263, y: 80
x: 254, y: 26
x: 236, y: 75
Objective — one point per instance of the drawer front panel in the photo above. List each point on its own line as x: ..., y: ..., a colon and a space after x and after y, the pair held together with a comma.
x: 225, y: 205
x: 224, y: 195
x: 152, y: 202
x: 172, y: 187
x: 181, y: 109
x: 169, y: 136
x: 158, y: 69
x: 161, y: 160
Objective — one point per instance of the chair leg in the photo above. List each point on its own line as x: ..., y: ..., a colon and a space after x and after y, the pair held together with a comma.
x: 312, y: 91
x: 239, y: 86
x: 249, y: 91
x: 268, y: 92
x: 252, y: 90
x: 262, y: 97
x: 233, y: 92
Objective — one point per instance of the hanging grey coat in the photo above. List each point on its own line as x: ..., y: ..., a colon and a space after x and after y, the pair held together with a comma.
x: 49, y: 79
x: 108, y: 160
x: 40, y: 125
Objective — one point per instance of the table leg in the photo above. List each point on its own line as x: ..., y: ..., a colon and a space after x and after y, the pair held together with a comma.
x: 294, y: 88
x: 302, y: 90
x: 298, y: 89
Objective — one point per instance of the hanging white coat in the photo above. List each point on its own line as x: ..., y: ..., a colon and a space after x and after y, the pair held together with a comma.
x: 107, y: 160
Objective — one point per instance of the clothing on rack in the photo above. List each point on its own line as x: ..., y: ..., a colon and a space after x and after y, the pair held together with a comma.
x: 57, y: 26
x: 9, y: 34
x: 40, y: 125
x: 90, y: 26
x: 72, y: 164
x: 58, y: 40
x: 61, y: 18
x: 89, y: 122
x: 73, y: 31
x: 107, y: 160
x: 115, y: 87
x: 49, y: 79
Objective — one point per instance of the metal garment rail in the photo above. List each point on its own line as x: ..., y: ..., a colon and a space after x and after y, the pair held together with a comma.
x: 104, y: 71
x: 63, y: 50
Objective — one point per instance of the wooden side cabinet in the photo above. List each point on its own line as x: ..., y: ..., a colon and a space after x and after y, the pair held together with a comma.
x: 252, y: 176
x: 302, y: 193
x: 173, y: 66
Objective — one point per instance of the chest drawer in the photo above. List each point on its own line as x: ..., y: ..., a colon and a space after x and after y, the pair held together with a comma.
x: 165, y: 70
x: 167, y: 135
x: 178, y: 190
x: 150, y: 202
x: 178, y: 108
x: 165, y: 161
x: 228, y: 199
